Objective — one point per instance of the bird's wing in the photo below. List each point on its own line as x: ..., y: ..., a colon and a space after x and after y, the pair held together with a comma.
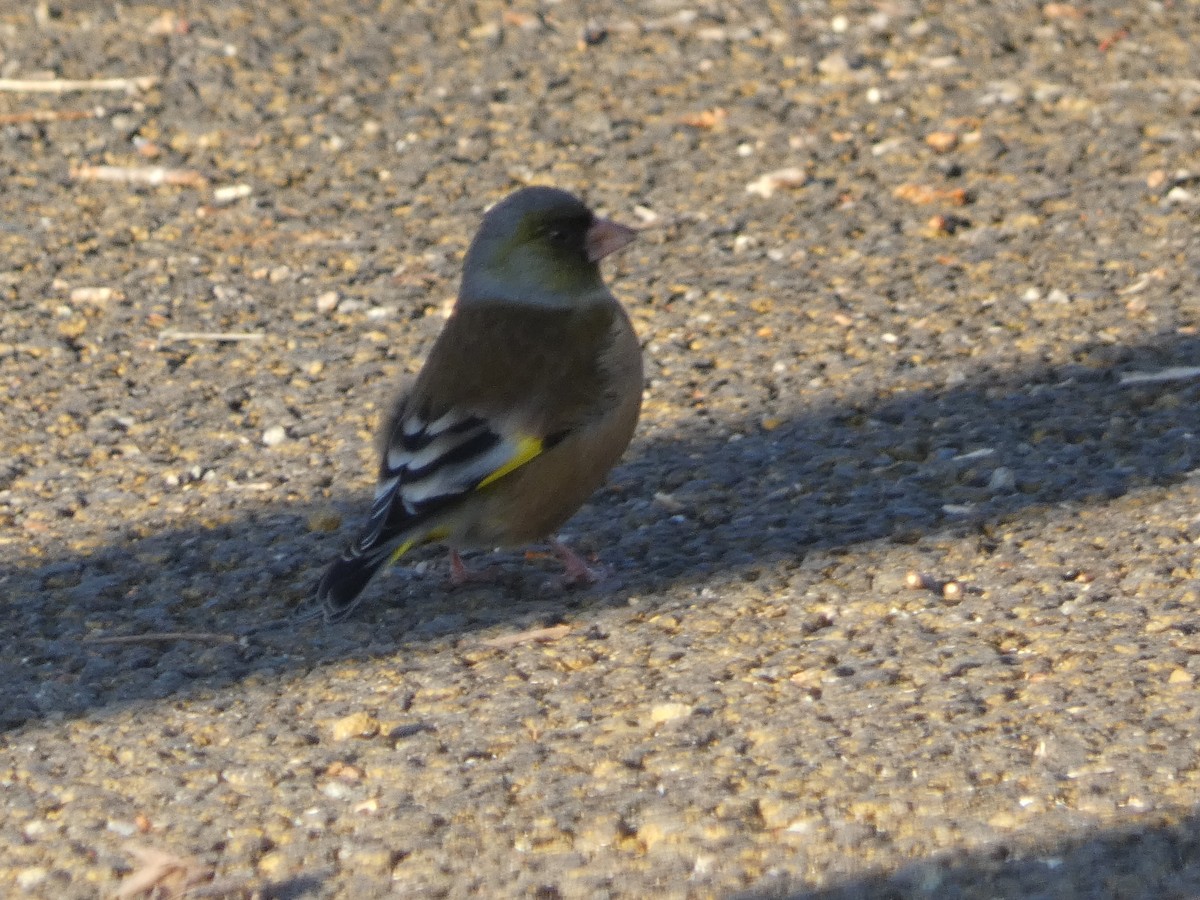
x: 430, y: 464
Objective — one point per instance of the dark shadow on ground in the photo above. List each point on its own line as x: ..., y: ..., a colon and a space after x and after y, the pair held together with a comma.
x: 1155, y: 862
x: 292, y: 888
x: 959, y: 460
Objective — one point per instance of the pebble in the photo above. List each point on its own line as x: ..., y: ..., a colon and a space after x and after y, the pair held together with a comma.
x: 355, y: 725
x: 230, y: 192
x: 1002, y: 480
x: 93, y: 295
x: 274, y: 436
x: 668, y: 712
x: 766, y: 185
x: 28, y: 879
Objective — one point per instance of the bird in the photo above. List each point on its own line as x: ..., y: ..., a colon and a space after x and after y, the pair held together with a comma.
x: 529, y: 396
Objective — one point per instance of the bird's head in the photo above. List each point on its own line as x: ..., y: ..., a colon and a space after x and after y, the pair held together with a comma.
x: 541, y: 246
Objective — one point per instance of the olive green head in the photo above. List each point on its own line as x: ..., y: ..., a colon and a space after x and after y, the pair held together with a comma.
x: 540, y: 246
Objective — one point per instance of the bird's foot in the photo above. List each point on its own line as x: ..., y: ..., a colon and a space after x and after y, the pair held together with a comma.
x: 460, y: 575
x: 576, y: 571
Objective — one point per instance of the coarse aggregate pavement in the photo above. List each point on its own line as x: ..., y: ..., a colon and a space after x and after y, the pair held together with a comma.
x: 903, y: 561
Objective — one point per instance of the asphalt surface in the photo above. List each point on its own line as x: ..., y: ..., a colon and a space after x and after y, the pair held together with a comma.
x: 903, y: 559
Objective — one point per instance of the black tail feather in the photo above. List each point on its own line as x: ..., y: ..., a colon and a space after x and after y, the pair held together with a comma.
x: 344, y: 581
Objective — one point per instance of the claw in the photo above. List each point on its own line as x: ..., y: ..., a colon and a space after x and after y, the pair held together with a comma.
x: 575, y: 570
x: 460, y: 575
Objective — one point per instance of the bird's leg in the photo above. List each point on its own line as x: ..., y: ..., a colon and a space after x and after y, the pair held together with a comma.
x: 461, y: 575
x: 575, y: 570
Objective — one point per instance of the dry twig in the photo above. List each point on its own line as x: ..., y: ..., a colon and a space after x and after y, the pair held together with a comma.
x: 166, y: 337
x: 152, y: 175
x: 69, y: 85
x: 1172, y: 373
x: 50, y: 115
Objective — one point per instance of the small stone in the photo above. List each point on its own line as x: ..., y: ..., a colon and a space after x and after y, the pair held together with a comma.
x: 1004, y: 820
x: 1002, y: 480
x: 668, y: 712
x: 915, y: 581
x: 272, y: 863
x: 335, y: 790
x: 92, y: 295
x: 274, y: 436
x: 942, y: 141
x: 766, y: 185
x: 375, y: 860
x: 707, y: 120
x: 834, y: 64
x: 28, y: 879
x: 1061, y: 11
x: 593, y: 33
x: 121, y: 827
x: 359, y: 724
x: 778, y: 813
x: 1180, y: 676
x: 324, y: 521
x: 230, y: 192
x: 327, y: 302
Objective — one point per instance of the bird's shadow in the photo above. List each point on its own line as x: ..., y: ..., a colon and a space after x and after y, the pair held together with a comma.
x: 1159, y: 861
x: 739, y: 497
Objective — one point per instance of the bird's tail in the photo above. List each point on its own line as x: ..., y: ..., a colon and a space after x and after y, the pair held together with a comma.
x: 344, y: 581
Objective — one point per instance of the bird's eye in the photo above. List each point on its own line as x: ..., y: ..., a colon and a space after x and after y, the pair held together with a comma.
x: 557, y: 237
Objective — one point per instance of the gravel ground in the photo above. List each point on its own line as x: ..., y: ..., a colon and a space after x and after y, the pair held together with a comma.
x: 903, y: 267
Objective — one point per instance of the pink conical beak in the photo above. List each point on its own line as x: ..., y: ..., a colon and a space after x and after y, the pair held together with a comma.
x: 605, y: 236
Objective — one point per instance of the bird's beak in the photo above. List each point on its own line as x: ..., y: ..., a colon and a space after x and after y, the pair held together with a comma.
x: 605, y: 236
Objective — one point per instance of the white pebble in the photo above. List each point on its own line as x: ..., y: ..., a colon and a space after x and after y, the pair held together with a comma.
x: 335, y: 790
x: 124, y: 829
x: 766, y: 185
x: 28, y: 879
x: 1002, y: 481
x: 92, y: 295
x: 230, y: 192
x: 274, y: 436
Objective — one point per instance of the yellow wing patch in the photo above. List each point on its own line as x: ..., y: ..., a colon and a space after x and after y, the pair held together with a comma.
x: 400, y: 551
x: 527, y: 449
x: 436, y: 535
